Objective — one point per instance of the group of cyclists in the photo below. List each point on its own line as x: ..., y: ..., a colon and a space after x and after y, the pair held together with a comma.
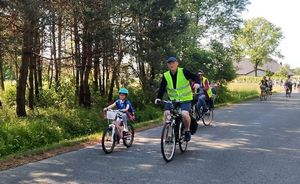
x: 266, y: 86
x: 181, y: 85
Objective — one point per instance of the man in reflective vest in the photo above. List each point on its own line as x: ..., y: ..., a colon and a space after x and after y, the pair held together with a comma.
x: 176, y: 82
x: 204, y: 83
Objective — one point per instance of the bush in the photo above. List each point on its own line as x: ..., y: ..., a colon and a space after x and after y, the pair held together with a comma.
x: 9, y: 95
x: 148, y: 113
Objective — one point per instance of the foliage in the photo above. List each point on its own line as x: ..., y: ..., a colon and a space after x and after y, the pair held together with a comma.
x: 58, y: 50
x: 216, y: 62
x: 284, y: 71
x: 296, y: 71
x: 258, y: 39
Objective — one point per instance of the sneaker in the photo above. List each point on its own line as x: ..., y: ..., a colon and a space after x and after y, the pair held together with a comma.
x: 205, y: 110
x: 187, y: 136
x: 207, y: 113
x: 125, y: 134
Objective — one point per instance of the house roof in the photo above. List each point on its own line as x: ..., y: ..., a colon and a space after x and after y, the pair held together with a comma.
x: 245, y: 66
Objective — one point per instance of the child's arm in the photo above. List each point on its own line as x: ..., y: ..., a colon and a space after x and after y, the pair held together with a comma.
x: 126, y: 109
x: 110, y: 106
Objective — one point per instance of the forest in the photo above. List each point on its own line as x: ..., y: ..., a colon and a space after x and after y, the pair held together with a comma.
x: 61, y: 61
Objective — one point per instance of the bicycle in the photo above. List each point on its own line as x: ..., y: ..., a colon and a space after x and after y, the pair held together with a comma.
x: 263, y: 94
x: 111, y: 135
x: 288, y: 91
x: 199, y: 114
x: 172, y: 133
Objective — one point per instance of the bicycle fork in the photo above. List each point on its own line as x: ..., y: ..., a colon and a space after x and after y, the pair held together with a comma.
x: 113, y: 131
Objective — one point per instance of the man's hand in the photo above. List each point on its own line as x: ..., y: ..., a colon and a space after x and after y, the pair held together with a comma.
x: 157, y: 101
x: 124, y: 110
x: 105, y: 109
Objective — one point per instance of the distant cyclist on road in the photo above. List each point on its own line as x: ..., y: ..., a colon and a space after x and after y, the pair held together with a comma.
x: 176, y: 81
x: 270, y: 85
x: 288, y: 85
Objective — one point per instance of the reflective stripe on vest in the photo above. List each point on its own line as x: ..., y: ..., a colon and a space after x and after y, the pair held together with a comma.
x: 183, y: 91
x: 209, y: 91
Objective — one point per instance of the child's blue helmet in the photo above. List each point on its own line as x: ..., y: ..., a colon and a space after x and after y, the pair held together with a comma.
x: 123, y: 91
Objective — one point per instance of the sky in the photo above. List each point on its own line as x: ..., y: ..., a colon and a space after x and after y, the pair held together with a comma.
x: 284, y: 14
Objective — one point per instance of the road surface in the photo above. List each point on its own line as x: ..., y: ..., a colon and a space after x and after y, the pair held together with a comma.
x: 252, y: 142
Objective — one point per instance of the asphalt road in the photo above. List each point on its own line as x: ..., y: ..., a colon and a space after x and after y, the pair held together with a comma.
x: 252, y: 142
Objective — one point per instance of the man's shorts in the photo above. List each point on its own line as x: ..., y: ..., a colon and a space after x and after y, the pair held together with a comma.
x: 185, y: 106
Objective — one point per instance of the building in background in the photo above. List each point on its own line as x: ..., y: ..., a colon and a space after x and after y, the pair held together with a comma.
x: 246, y: 68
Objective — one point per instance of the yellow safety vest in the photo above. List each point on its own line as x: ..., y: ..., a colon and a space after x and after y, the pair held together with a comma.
x: 209, y: 91
x: 183, y: 91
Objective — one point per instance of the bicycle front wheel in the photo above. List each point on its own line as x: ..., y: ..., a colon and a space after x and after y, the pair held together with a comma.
x: 168, y: 142
x: 108, y: 140
x: 182, y: 144
x: 208, y: 117
x: 128, y: 139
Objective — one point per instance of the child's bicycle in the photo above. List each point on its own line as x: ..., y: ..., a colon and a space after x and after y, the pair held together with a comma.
x: 112, y: 135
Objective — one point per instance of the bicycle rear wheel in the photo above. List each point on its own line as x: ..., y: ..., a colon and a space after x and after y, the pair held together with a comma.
x: 208, y: 117
x: 108, y: 140
x: 182, y: 144
x: 128, y: 139
x: 168, y: 142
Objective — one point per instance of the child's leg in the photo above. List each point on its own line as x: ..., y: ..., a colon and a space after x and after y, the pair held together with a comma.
x: 124, y: 117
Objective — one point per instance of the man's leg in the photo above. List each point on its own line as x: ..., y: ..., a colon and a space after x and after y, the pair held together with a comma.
x: 201, y: 102
x: 185, y: 112
x: 167, y: 111
x: 166, y: 114
x: 186, y: 120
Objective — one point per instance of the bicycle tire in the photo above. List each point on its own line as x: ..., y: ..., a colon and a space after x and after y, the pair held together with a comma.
x: 182, y: 144
x: 131, y: 135
x: 169, y: 139
x: 211, y: 118
x: 108, y: 137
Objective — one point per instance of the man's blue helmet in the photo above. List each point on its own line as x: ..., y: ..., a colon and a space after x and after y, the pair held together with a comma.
x: 123, y: 91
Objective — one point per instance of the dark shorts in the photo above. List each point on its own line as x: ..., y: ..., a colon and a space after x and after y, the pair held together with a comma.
x: 185, y: 106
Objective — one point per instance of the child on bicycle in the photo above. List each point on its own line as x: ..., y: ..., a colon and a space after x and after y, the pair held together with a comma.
x: 124, y: 105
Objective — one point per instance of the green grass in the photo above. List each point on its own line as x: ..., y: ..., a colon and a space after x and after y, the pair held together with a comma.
x: 53, y: 125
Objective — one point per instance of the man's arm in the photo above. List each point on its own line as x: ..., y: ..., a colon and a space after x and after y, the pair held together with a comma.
x: 162, y: 88
x: 190, y: 76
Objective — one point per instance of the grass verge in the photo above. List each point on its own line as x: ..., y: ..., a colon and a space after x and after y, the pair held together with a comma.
x: 47, y: 151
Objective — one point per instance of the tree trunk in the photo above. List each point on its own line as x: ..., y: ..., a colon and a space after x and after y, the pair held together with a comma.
x: 58, y: 63
x: 37, y: 68
x: 96, y: 68
x: 26, y: 56
x: 53, y: 29
x: 76, y: 55
x: 255, y: 68
x: 31, y: 85
x: 2, y: 88
x: 86, y: 66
